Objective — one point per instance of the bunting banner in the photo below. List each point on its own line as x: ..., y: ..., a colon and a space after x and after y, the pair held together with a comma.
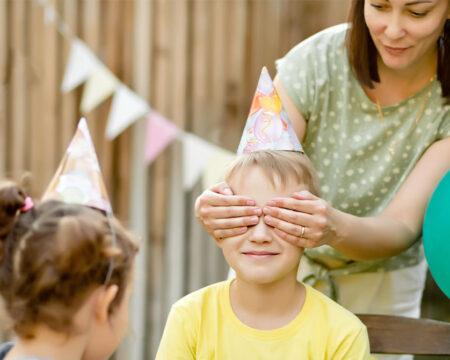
x: 197, y: 154
x: 214, y: 172
x: 126, y: 108
x: 81, y: 64
x: 160, y: 133
x: 98, y: 87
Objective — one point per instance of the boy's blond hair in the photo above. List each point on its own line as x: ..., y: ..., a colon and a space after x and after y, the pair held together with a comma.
x: 278, y: 166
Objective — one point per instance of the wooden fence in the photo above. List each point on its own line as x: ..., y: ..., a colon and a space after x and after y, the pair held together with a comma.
x: 196, y: 62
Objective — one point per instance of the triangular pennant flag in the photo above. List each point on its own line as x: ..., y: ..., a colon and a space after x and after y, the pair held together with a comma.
x: 98, y: 87
x: 197, y: 154
x: 126, y: 108
x: 160, y: 133
x: 82, y: 63
x: 268, y: 126
x: 78, y: 179
x: 215, y: 170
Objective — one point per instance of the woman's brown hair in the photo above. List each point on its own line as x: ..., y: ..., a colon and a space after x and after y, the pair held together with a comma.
x: 53, y: 256
x: 362, y: 53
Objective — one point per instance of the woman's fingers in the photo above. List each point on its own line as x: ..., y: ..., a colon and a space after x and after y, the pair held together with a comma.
x: 287, y: 215
x: 222, y: 224
x: 225, y: 212
x: 309, y: 205
x: 214, y: 199
x: 224, y: 233
x: 295, y: 240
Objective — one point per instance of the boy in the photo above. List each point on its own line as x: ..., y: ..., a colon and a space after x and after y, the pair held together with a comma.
x: 264, y: 313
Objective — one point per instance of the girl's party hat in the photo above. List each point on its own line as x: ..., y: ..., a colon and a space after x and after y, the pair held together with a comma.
x: 78, y: 179
x: 268, y: 126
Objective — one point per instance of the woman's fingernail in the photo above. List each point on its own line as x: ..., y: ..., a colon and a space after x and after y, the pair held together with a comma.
x: 257, y: 211
x: 268, y: 219
x: 250, y: 202
x: 227, y: 191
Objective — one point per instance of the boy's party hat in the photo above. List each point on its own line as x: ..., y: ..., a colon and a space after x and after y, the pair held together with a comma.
x: 78, y: 179
x: 268, y: 126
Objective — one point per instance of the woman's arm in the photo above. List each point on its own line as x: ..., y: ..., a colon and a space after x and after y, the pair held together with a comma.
x: 400, y: 224
x: 385, y: 235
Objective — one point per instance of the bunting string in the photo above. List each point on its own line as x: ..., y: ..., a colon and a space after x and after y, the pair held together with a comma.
x: 201, y: 159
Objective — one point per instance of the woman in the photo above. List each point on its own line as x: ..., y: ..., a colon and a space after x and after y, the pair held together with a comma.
x: 370, y: 105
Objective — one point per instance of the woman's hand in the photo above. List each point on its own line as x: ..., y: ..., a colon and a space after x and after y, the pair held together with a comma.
x: 304, y: 219
x: 223, y: 214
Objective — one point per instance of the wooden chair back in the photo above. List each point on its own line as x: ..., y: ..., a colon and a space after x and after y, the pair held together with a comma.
x: 402, y: 335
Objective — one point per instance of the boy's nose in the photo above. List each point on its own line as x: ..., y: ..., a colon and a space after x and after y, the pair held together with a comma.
x: 260, y: 232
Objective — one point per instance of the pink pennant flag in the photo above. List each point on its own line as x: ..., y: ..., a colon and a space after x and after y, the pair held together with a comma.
x: 160, y: 133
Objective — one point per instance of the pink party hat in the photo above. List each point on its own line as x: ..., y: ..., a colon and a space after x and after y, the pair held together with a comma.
x: 78, y: 179
x: 268, y: 126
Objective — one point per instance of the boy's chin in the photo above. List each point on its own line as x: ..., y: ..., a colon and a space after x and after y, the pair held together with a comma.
x: 259, y: 279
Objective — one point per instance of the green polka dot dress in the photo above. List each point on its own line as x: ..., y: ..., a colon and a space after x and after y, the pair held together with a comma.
x: 346, y: 141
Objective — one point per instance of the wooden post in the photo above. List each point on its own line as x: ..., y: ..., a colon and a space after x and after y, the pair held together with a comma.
x: 3, y: 86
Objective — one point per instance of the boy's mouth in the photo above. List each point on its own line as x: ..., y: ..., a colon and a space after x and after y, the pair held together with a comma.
x: 260, y: 254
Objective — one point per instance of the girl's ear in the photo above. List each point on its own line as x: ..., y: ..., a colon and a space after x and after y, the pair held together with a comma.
x: 104, y: 300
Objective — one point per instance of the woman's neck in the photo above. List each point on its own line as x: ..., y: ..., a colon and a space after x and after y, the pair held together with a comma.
x: 267, y: 306
x: 397, y: 85
x: 48, y: 344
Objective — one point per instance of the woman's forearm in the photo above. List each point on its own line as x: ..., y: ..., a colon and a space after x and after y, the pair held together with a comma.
x: 369, y: 238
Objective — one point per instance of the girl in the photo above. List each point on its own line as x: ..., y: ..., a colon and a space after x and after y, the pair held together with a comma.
x: 55, y: 259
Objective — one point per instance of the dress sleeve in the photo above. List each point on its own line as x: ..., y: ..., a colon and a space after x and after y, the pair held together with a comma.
x: 297, y: 75
x: 444, y: 128
x: 180, y: 336
x: 309, y: 70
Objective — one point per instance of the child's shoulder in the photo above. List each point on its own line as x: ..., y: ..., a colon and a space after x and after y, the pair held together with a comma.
x: 332, y: 312
x: 209, y: 296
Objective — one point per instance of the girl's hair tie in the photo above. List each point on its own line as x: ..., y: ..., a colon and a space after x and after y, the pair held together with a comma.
x: 29, y: 204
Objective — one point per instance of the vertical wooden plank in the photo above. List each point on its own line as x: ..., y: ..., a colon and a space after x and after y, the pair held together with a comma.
x: 218, y: 75
x: 49, y: 144
x: 3, y: 85
x: 37, y: 100
x: 201, y: 65
x: 110, y: 48
x: 90, y: 34
x: 68, y: 110
x: 134, y: 346
x: 160, y: 280
x: 122, y: 146
x: 235, y: 99
x: 179, y: 62
x: 18, y: 85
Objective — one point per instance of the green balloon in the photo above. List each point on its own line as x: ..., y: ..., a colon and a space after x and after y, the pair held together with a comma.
x: 436, y: 234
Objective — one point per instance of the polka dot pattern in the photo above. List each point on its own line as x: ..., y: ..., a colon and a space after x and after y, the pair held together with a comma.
x: 345, y: 138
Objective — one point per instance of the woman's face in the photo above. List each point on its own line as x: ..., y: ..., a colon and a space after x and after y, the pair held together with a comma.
x: 405, y: 31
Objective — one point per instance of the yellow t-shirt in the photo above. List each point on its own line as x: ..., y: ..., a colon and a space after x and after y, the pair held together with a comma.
x: 202, y: 325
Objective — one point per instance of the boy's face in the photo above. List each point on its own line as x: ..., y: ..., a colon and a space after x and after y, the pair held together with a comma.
x: 260, y: 256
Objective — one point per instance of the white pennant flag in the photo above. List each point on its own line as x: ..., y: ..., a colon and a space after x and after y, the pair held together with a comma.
x: 126, y: 108
x: 97, y: 88
x: 82, y: 63
x: 215, y: 171
x: 197, y: 153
